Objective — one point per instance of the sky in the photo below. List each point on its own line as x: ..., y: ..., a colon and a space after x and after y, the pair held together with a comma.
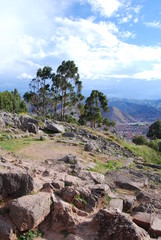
x: 116, y: 44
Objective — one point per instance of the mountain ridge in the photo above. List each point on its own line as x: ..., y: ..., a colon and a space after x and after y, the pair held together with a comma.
x: 137, y: 110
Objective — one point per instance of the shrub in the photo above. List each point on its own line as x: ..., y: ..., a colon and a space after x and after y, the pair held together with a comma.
x: 139, y: 140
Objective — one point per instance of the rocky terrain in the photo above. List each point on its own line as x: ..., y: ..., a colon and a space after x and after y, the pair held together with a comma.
x: 74, y: 183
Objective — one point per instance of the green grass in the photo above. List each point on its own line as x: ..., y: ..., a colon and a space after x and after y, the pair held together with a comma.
x: 108, y: 199
x: 29, y: 235
x: 15, y: 144
x: 105, y: 167
x: 79, y: 197
x: 147, y: 153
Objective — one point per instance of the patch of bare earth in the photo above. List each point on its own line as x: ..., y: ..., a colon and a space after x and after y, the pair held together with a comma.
x: 40, y: 151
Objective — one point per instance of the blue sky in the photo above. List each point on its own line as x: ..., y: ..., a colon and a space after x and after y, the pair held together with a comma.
x: 116, y: 44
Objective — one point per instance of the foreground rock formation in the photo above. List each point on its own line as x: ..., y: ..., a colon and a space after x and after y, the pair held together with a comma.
x: 67, y: 197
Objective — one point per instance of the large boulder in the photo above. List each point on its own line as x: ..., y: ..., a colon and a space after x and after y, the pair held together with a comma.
x: 15, y: 183
x: 55, y: 128
x: 29, y: 124
x: 63, y: 217
x: 156, y: 227
x: 29, y: 211
x: 112, y: 225
x: 143, y: 220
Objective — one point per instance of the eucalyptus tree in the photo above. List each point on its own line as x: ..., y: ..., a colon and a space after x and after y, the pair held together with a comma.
x: 70, y: 86
x: 39, y: 94
x: 95, y: 104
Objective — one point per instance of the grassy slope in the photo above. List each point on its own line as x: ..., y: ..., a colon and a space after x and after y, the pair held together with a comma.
x: 147, y: 153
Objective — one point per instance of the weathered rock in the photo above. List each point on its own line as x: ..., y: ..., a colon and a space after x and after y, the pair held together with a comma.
x: 72, y: 159
x: 63, y: 217
x: 91, y: 146
x: 111, y: 225
x: 156, y: 227
x: 14, y: 183
x: 143, y: 220
x: 58, y: 184
x: 55, y: 128
x: 128, y: 202
x: 28, y: 124
x: 68, y: 134
x: 90, y: 197
x: 29, y: 211
x: 97, y: 177
x: 7, y: 230
x: 43, y: 137
x: 122, y: 183
x: 69, y: 194
x: 116, y: 204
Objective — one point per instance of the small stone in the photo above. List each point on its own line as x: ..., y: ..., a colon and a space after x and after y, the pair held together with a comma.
x: 117, y: 204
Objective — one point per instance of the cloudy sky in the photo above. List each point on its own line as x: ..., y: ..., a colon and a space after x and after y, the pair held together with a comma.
x: 116, y: 44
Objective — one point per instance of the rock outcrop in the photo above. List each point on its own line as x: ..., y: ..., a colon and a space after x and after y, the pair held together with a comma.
x: 29, y: 211
x: 15, y: 183
x: 111, y: 225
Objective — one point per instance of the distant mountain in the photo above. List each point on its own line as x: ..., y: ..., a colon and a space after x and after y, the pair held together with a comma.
x: 139, y: 110
x: 116, y: 115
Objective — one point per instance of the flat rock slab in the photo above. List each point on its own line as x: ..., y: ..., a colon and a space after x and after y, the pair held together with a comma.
x: 156, y: 227
x: 116, y: 204
x: 143, y: 220
x: 29, y: 211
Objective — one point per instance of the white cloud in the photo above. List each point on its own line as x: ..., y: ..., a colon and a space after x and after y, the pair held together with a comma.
x: 136, y: 20
x: 105, y: 7
x: 151, y: 74
x: 154, y: 24
x: 36, y: 33
x: 25, y: 76
x: 98, y: 51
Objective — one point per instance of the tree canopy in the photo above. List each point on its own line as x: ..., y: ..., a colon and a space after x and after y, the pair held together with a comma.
x: 95, y: 104
x: 12, y: 102
x: 38, y: 96
x: 51, y: 91
x: 155, y: 130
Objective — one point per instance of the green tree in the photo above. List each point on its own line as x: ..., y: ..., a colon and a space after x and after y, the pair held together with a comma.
x: 11, y: 102
x: 70, y: 86
x: 16, y: 101
x: 155, y: 130
x: 55, y: 92
x: 23, y: 107
x: 39, y: 95
x: 95, y: 104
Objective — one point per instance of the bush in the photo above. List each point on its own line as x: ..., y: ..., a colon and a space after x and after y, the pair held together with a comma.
x: 70, y: 119
x: 139, y: 140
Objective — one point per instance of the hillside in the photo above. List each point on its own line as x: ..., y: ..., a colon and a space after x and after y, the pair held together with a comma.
x: 67, y: 182
x: 144, y: 111
x: 116, y: 115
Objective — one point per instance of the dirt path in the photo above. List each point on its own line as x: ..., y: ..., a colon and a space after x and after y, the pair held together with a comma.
x: 50, y: 150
